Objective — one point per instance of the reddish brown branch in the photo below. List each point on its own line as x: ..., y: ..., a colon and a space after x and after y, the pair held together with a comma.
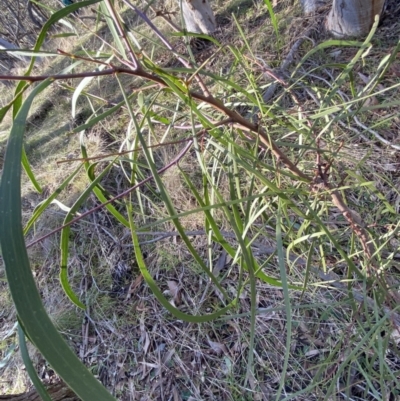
x: 169, y: 46
x: 134, y: 60
x: 238, y: 121
x: 321, y: 181
x: 215, y: 103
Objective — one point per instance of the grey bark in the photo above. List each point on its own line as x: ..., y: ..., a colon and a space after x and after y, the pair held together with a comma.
x: 353, y: 17
x: 347, y: 17
x: 311, y: 6
x: 198, y: 16
x: 57, y: 392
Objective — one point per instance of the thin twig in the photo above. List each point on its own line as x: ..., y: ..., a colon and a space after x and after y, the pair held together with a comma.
x: 121, y: 195
x: 375, y: 134
x: 269, y: 93
x: 121, y: 31
x: 215, y: 103
x: 168, y: 45
x: 158, y: 145
x: 331, y: 278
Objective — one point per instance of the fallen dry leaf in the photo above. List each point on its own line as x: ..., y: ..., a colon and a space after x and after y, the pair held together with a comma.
x: 313, y: 352
x: 218, y: 348
x: 394, y: 69
x: 174, y: 291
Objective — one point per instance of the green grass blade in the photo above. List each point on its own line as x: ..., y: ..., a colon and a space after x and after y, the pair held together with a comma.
x: 358, y: 349
x: 325, y: 45
x: 282, y: 268
x: 274, y: 20
x: 25, y: 295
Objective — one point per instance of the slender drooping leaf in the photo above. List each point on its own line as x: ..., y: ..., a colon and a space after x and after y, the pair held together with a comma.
x: 57, y: 16
x: 29, y: 172
x: 64, y: 242
x: 42, y: 206
x: 30, y: 368
x: 27, y: 300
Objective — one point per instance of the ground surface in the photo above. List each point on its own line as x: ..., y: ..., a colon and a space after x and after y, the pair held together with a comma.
x: 128, y: 340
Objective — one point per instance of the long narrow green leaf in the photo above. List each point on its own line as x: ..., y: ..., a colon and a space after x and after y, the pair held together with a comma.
x: 57, y: 16
x: 31, y: 53
x: 64, y: 241
x: 274, y: 20
x: 27, y: 300
x: 113, y: 29
x: 99, y: 193
x: 43, y: 205
x: 30, y: 368
x: 29, y: 172
x: 157, y: 292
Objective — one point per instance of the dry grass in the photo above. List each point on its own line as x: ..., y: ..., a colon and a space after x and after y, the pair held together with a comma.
x: 127, y: 339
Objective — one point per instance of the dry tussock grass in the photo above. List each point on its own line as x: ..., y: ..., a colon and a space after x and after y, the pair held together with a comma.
x: 127, y: 339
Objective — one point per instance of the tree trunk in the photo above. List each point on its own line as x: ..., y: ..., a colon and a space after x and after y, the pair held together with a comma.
x: 347, y: 17
x: 57, y: 392
x: 198, y: 16
x: 353, y: 17
x: 311, y: 6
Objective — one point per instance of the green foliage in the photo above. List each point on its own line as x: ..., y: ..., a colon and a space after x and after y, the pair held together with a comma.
x: 239, y: 185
